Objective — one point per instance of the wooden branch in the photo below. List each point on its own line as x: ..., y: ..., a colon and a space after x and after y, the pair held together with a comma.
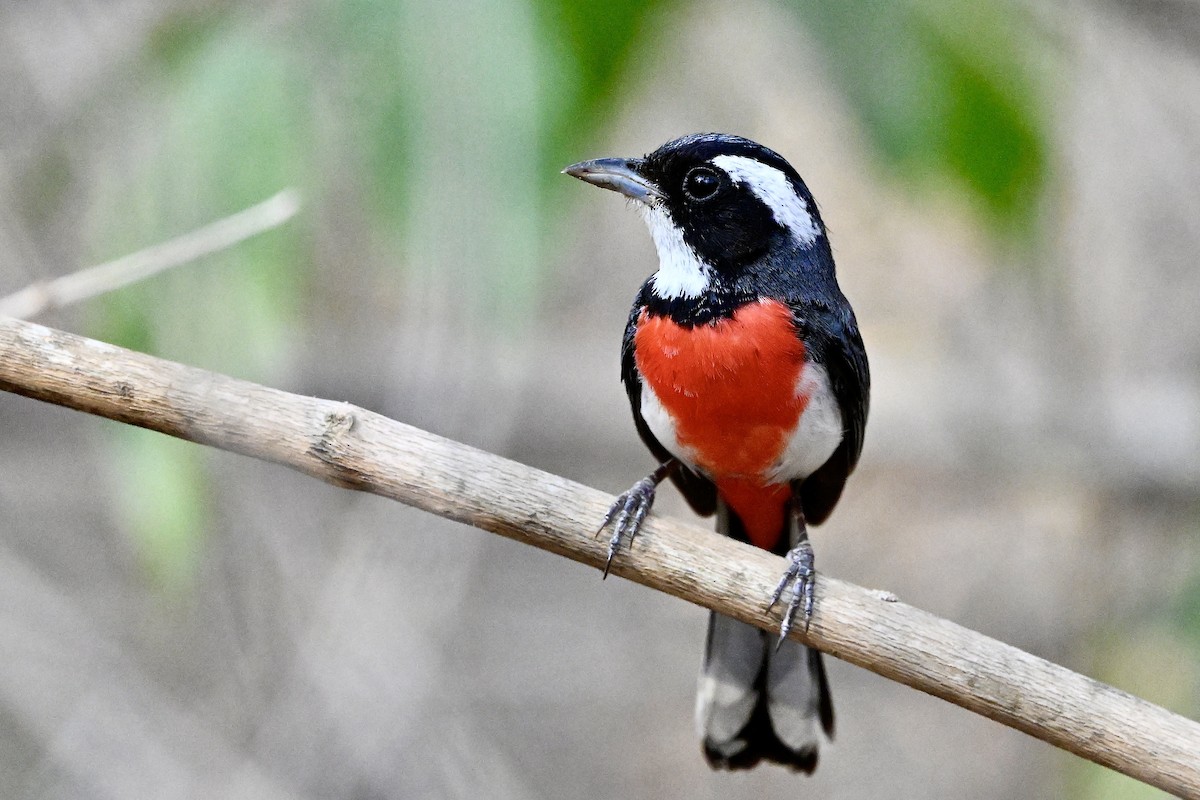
x: 110, y: 276
x: 357, y: 449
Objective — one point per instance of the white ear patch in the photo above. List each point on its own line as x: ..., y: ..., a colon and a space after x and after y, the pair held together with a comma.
x: 681, y: 272
x: 773, y: 188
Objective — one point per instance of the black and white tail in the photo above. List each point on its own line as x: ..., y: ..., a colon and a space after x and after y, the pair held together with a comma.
x: 756, y: 703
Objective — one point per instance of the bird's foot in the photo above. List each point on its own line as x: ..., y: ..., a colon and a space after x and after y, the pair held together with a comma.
x: 627, y: 514
x: 801, y: 576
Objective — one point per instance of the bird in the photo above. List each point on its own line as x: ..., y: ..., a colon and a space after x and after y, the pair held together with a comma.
x: 749, y: 383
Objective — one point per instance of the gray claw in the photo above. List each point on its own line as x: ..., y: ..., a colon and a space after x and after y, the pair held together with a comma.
x: 629, y: 512
x: 802, y: 578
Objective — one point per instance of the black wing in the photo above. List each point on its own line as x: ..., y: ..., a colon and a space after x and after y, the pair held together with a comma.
x: 831, y: 337
x: 700, y: 492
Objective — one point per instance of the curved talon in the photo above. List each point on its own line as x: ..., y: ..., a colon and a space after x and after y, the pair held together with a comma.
x: 612, y: 512
x: 627, y: 515
x: 802, y: 578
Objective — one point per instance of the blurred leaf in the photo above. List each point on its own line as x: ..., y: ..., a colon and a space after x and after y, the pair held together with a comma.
x: 946, y: 88
x: 1186, y: 613
x: 128, y: 324
x: 1100, y: 783
x: 447, y: 139
x: 1151, y: 661
x: 231, y: 132
x: 162, y: 496
x: 359, y: 70
x: 593, y: 44
x: 184, y: 33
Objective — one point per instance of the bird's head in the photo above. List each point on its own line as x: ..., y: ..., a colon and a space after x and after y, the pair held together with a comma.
x: 715, y: 204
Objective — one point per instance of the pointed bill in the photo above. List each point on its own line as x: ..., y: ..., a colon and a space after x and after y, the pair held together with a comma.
x: 619, y: 175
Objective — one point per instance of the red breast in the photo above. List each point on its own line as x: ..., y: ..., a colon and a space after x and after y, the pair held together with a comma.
x: 730, y: 388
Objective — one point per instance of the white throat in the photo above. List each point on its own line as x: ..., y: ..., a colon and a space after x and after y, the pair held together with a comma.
x: 681, y: 272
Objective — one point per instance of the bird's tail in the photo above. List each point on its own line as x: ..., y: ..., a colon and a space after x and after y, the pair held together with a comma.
x: 756, y: 702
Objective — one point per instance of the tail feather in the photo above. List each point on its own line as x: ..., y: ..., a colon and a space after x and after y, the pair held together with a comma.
x: 797, y: 696
x: 731, y: 687
x: 758, y: 703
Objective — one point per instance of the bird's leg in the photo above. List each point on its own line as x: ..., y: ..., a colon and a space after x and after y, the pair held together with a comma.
x: 631, y: 508
x: 800, y: 575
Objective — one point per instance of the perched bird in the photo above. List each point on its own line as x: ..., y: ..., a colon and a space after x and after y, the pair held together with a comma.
x: 749, y: 383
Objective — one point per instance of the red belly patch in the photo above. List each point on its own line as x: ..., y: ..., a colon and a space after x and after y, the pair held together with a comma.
x: 730, y: 389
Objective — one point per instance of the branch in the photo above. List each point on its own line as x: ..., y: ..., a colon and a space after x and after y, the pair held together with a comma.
x: 110, y: 276
x: 357, y: 449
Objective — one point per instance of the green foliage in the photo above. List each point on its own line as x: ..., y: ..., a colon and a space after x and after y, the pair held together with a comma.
x: 359, y: 71
x: 175, y: 43
x: 1151, y: 660
x: 162, y: 493
x: 593, y: 44
x: 1186, y: 614
x: 1154, y: 659
x: 946, y: 88
x: 233, y: 133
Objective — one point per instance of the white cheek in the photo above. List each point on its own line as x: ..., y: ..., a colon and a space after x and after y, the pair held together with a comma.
x: 659, y: 421
x: 776, y: 190
x: 819, y: 432
x: 681, y: 273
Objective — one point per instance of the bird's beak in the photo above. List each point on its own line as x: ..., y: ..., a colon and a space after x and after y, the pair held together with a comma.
x: 620, y: 175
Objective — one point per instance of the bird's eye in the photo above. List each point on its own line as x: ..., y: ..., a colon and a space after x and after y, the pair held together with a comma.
x: 701, y: 183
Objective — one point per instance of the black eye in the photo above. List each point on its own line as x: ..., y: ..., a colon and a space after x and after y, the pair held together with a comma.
x: 701, y: 183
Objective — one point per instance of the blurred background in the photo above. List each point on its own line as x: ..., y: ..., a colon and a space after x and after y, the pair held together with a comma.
x: 1013, y: 195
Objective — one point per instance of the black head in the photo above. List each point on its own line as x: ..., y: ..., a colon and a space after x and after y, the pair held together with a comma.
x: 720, y: 200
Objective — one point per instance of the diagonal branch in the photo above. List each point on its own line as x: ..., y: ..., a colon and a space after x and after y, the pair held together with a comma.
x: 358, y: 449
x: 112, y: 275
